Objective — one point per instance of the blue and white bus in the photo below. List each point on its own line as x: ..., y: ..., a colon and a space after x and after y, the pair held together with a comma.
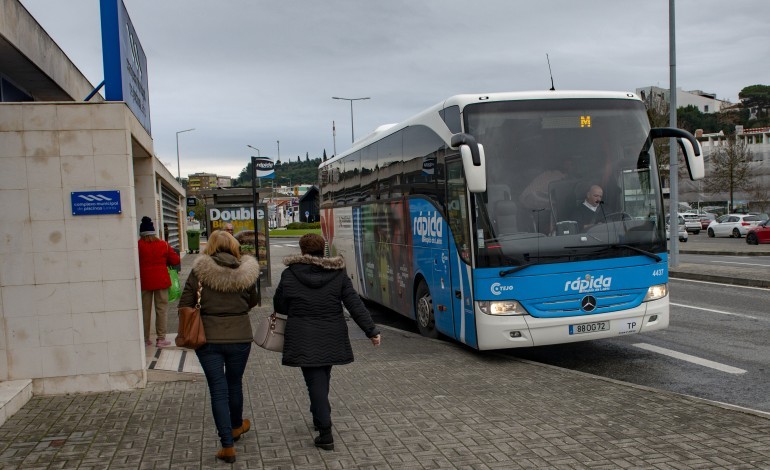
x: 463, y: 217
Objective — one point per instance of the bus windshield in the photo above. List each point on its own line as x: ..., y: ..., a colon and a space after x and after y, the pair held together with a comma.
x: 567, y: 180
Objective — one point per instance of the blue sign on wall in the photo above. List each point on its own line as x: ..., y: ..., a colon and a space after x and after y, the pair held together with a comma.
x: 95, y: 202
x: 125, y: 65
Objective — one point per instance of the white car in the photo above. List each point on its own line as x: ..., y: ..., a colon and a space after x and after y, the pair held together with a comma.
x: 680, y: 229
x: 732, y: 225
x: 691, y: 222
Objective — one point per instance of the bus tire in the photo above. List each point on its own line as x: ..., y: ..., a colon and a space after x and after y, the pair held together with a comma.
x: 423, y: 311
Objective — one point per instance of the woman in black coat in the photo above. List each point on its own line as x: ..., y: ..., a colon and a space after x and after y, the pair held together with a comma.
x: 311, y: 293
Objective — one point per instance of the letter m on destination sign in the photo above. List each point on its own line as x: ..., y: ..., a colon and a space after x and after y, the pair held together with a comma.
x: 95, y: 202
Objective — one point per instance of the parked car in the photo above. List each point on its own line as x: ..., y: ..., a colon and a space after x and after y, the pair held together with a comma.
x: 759, y: 234
x: 691, y: 222
x: 681, y: 229
x: 705, y: 220
x: 732, y: 225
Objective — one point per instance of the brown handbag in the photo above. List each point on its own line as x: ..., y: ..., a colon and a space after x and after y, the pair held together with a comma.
x: 190, y: 334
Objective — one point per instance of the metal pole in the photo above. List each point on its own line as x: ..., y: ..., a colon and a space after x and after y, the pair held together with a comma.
x: 352, y: 134
x: 251, y: 146
x: 178, y: 170
x: 334, y: 137
x: 673, y: 163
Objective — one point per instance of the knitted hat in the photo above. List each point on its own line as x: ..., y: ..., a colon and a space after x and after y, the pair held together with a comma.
x: 146, y: 227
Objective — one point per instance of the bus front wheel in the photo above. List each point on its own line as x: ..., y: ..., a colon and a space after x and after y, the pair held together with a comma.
x: 426, y: 321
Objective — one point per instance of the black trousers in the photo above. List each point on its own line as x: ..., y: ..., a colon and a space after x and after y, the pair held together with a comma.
x: 317, y: 380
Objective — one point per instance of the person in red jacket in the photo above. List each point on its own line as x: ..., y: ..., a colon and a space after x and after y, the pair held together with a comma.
x: 154, y: 257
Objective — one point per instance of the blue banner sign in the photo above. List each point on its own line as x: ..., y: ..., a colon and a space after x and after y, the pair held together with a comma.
x: 95, y: 202
x: 125, y: 64
x: 264, y: 167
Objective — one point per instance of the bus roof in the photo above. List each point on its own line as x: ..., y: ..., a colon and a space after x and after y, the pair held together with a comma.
x: 466, y: 99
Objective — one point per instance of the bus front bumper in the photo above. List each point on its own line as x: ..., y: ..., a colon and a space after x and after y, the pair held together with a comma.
x: 503, y: 332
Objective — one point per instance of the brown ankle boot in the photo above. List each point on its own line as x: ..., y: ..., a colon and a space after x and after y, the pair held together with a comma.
x: 227, y: 454
x: 241, y: 430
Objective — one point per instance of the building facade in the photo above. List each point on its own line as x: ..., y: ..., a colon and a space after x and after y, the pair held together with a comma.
x: 70, y: 308
x: 705, y: 102
x: 758, y: 143
x: 197, y: 182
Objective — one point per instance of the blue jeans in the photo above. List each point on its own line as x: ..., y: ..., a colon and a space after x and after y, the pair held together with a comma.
x: 224, y: 365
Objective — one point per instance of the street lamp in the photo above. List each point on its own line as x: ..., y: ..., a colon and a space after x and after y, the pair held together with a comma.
x: 178, y: 170
x: 251, y: 146
x: 352, y: 135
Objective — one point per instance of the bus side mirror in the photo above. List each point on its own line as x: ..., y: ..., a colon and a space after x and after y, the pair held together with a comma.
x: 693, y: 155
x: 693, y: 158
x: 474, y: 163
x: 475, y: 175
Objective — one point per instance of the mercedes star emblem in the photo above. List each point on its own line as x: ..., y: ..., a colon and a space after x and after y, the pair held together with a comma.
x: 588, y: 303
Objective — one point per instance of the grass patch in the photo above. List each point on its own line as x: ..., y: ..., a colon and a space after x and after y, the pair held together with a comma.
x: 292, y: 233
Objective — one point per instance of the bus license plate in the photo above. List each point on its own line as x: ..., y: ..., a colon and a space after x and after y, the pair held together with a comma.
x: 594, y: 327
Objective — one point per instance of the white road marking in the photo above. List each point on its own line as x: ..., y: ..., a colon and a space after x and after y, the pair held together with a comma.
x: 742, y: 264
x: 733, y: 314
x: 732, y: 286
x: 694, y: 359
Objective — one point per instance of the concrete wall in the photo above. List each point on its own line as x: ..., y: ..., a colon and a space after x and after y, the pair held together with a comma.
x: 70, y: 310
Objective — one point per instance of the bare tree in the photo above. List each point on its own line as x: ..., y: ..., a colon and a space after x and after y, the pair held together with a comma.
x: 760, y: 196
x: 730, y: 169
x: 658, y: 113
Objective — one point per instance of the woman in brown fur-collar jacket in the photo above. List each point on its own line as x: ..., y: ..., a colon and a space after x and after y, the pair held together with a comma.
x: 311, y: 293
x: 228, y: 291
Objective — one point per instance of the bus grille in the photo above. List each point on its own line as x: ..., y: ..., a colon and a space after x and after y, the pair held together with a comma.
x: 568, y: 306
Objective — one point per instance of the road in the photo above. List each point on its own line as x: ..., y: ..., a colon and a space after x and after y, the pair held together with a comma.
x: 715, y: 348
x: 750, y: 262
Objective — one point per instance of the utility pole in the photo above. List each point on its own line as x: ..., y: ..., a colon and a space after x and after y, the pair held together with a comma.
x: 673, y: 166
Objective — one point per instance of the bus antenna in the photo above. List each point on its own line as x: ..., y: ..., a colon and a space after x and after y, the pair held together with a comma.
x: 549, y: 72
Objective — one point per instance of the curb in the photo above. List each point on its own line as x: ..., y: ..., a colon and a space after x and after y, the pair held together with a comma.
x: 763, y: 284
x: 723, y: 253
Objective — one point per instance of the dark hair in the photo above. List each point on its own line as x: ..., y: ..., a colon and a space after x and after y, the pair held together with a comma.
x: 312, y: 244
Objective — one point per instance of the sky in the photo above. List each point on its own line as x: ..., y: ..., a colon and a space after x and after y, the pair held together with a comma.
x: 263, y: 72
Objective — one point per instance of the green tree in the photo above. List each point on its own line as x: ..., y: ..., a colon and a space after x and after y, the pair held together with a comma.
x: 756, y: 96
x: 200, y: 211
x: 730, y: 169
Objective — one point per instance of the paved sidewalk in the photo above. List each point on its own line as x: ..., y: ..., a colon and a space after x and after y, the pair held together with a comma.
x: 411, y: 403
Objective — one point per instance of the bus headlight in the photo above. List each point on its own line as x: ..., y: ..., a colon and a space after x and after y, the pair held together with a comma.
x: 501, y: 307
x: 656, y: 292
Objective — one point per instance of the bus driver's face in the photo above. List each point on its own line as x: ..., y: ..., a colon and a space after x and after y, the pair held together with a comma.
x: 594, y: 196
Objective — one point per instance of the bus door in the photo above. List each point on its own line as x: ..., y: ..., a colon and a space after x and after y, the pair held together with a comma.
x: 459, y: 252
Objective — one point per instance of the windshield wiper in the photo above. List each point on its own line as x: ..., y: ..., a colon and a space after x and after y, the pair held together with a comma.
x: 639, y: 250
x: 516, y: 269
x: 632, y: 248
